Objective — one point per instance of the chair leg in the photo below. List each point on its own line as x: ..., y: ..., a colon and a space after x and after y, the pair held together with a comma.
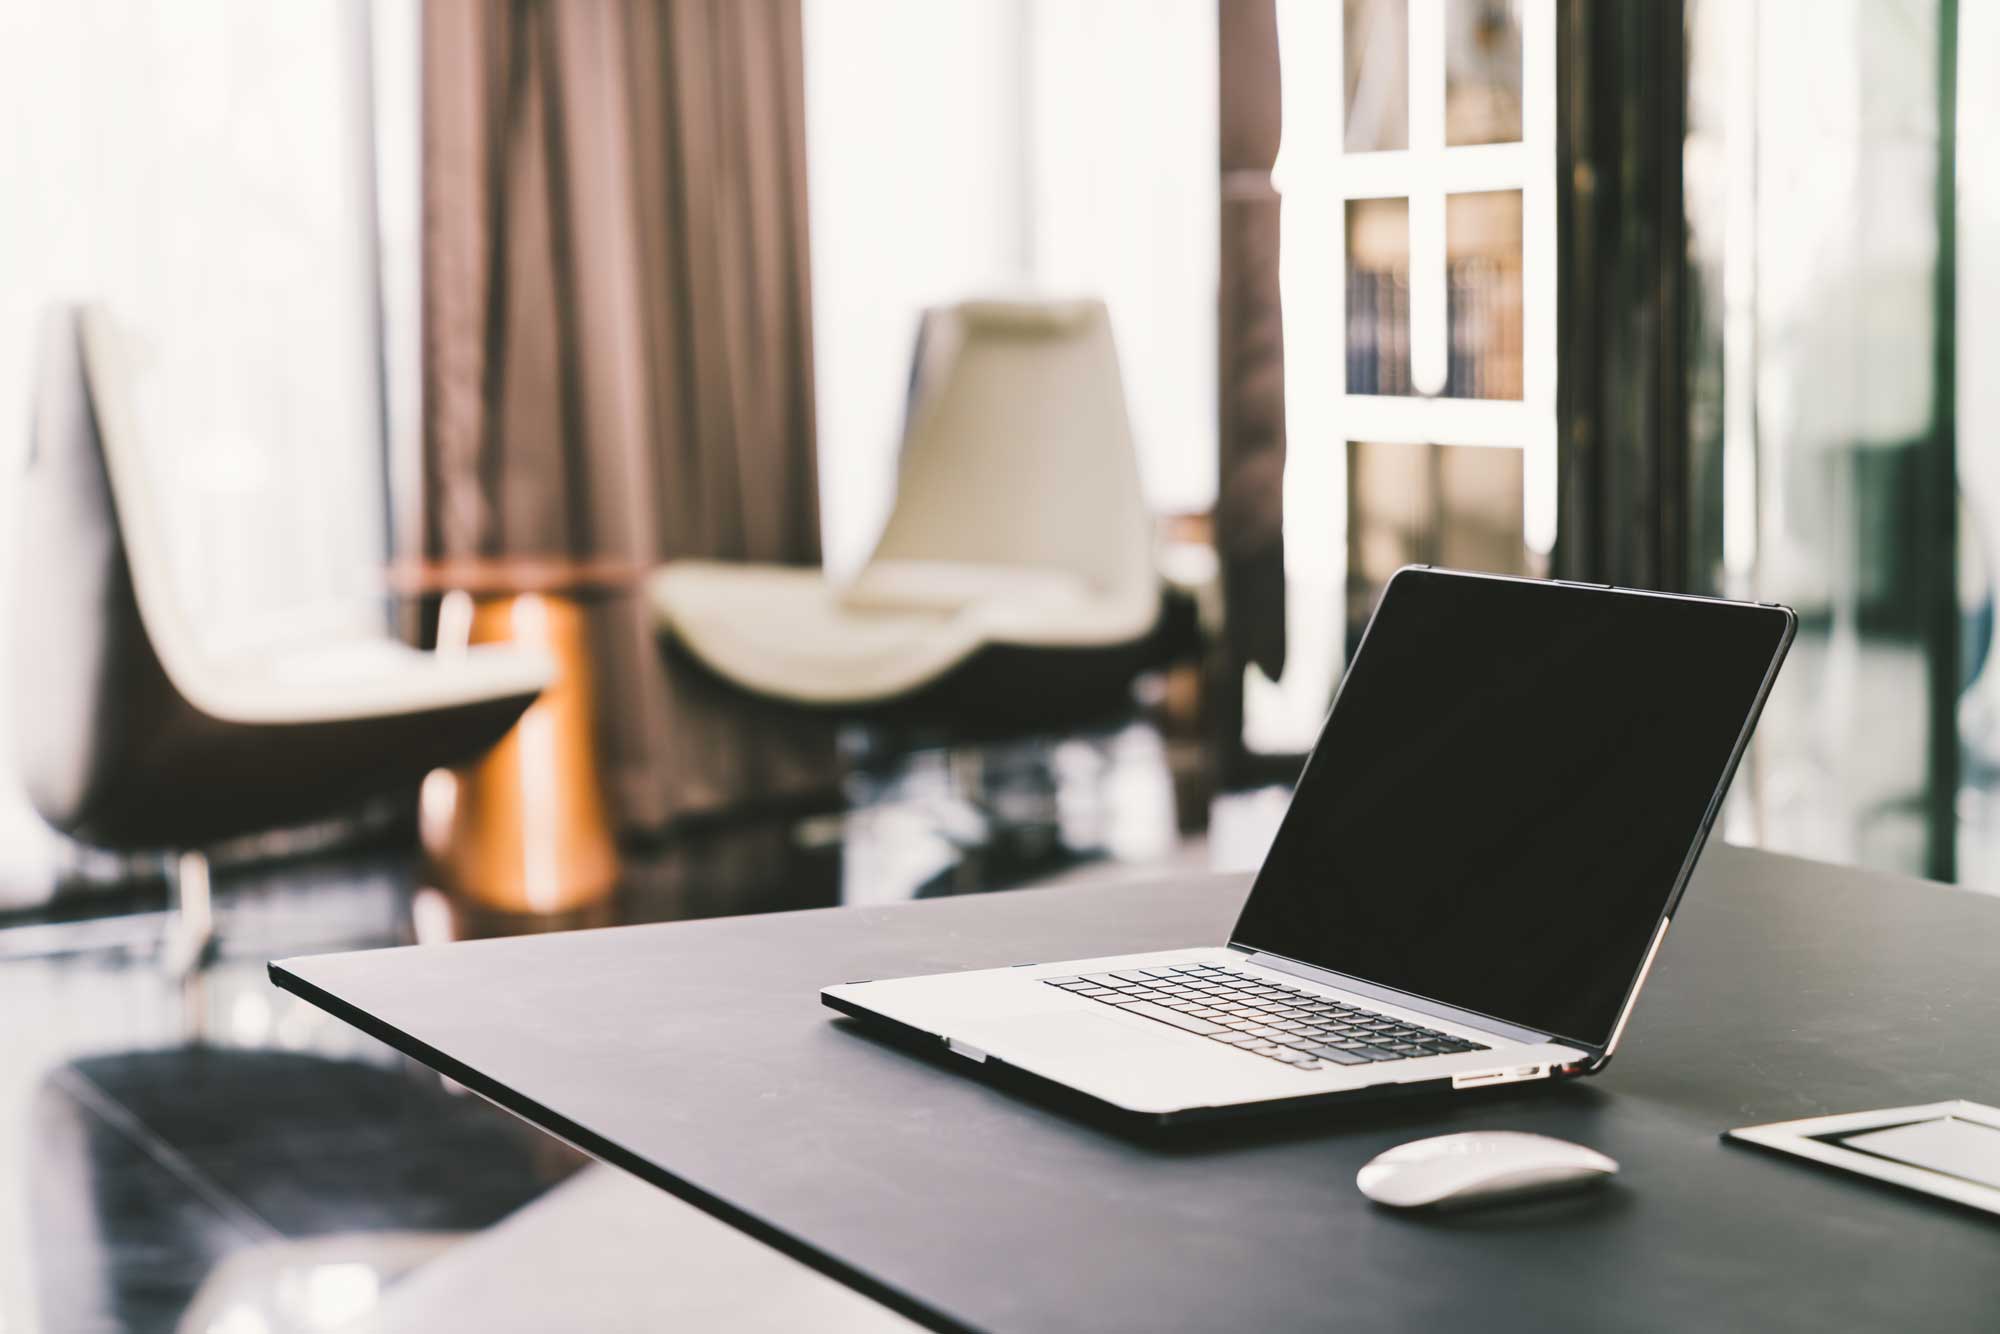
x: 190, y: 938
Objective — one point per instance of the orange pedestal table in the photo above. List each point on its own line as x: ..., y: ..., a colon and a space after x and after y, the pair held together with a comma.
x: 525, y: 829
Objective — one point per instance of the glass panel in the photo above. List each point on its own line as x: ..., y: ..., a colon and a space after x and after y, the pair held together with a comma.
x: 1452, y: 505
x: 1378, y: 296
x: 1483, y: 296
x: 1482, y: 71
x: 1376, y: 38
x: 1827, y: 152
x: 1978, y: 405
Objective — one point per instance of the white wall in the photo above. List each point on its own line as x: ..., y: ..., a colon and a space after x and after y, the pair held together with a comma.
x: 982, y: 146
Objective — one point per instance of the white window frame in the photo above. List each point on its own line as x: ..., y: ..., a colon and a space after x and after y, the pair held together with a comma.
x: 1317, y: 179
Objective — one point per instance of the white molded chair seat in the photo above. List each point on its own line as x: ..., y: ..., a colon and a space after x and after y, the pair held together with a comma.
x: 353, y: 677
x: 789, y: 632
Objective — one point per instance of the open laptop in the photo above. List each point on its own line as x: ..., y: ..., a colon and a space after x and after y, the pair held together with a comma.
x: 1473, y: 878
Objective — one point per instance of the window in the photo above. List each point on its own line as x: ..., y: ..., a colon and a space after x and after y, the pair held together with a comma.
x: 1418, y: 275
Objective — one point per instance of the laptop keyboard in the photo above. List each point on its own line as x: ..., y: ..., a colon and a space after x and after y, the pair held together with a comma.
x: 1262, y: 1017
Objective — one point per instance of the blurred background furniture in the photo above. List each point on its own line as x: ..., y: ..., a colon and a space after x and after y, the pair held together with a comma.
x: 132, y: 734
x: 1014, y: 586
x: 527, y: 827
x: 1015, y: 593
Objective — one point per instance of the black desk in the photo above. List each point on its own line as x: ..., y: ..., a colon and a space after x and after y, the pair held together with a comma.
x: 697, y: 1055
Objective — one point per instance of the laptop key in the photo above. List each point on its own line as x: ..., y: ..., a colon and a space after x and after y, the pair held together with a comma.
x: 1166, y: 1016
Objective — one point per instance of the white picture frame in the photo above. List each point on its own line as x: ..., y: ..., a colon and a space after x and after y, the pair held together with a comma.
x: 1821, y: 1139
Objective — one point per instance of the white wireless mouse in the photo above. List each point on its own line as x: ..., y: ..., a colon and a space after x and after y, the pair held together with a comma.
x: 1480, y: 1165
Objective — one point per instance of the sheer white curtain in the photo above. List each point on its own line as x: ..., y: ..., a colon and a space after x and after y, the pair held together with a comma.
x: 1057, y: 146
x: 202, y: 167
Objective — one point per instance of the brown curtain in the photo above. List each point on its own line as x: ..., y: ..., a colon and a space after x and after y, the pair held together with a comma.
x: 617, y: 336
x: 1249, y: 511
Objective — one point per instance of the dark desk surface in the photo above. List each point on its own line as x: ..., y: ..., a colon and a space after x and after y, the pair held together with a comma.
x: 697, y: 1055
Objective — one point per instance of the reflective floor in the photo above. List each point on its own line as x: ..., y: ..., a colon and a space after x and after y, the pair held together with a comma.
x: 228, y: 1160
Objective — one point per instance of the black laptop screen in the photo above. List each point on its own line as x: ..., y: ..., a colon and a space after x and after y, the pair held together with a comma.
x: 1504, y: 794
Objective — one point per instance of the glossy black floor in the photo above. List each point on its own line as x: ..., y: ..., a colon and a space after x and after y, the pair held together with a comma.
x: 153, y: 1138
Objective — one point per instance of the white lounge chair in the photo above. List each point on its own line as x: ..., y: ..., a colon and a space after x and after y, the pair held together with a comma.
x: 1015, y: 581
x: 131, y: 734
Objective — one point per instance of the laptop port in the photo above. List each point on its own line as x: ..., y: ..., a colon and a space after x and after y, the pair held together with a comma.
x: 1510, y: 1076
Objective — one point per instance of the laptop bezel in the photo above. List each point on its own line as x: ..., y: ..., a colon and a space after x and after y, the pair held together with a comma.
x: 1599, y: 1053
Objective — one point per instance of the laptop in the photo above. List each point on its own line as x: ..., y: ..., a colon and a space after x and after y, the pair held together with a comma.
x: 1471, y: 882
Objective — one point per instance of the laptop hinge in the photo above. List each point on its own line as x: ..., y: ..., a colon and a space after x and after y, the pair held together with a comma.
x: 1435, y: 1009
x: 1632, y: 998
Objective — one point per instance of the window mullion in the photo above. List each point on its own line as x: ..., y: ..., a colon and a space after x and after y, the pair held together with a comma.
x: 1538, y: 272
x: 1429, y: 323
